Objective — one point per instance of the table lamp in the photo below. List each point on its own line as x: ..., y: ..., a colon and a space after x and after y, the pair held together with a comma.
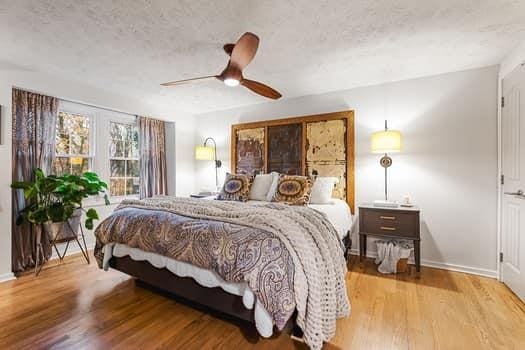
x: 387, y: 141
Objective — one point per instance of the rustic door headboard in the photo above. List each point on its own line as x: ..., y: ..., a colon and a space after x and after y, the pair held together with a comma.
x: 321, y: 144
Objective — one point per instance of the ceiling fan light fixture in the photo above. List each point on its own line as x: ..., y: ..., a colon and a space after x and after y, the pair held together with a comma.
x: 231, y: 82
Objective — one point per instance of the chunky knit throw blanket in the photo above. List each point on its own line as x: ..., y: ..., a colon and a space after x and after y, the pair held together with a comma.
x: 319, y: 278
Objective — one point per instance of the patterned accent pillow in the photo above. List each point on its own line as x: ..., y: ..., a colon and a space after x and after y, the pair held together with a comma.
x: 235, y: 188
x: 293, y: 190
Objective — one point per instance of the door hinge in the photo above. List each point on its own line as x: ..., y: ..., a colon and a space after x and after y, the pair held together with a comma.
x: 502, y: 179
x: 502, y: 102
x: 501, y: 257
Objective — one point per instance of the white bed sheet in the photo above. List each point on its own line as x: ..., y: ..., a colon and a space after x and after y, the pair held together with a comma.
x: 338, y: 213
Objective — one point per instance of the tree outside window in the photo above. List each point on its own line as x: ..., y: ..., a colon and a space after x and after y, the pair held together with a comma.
x: 72, y: 144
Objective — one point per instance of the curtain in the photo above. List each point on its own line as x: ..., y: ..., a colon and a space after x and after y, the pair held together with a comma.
x: 152, y: 138
x: 34, y: 119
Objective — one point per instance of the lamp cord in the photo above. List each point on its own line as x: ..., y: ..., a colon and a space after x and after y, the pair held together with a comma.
x: 215, y: 159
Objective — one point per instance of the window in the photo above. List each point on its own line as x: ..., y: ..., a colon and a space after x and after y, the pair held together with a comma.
x: 123, y: 159
x: 73, y: 154
x: 99, y: 140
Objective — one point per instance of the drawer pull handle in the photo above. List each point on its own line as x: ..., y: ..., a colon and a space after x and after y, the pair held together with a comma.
x: 386, y: 228
x: 387, y: 217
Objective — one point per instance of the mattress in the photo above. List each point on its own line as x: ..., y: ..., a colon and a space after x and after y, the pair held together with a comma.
x: 337, y: 212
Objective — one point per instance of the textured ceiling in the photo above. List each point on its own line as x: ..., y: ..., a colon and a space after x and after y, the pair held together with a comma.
x: 307, y: 47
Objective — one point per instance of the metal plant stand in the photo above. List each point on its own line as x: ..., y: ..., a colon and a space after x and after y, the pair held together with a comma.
x: 54, y: 242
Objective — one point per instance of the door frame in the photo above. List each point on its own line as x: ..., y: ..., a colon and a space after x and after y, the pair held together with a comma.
x: 499, y: 246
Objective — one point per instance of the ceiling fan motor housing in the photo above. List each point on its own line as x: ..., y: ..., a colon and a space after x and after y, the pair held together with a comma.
x: 231, y: 72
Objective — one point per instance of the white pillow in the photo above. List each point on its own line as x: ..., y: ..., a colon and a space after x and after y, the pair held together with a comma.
x: 261, y: 186
x: 322, y: 190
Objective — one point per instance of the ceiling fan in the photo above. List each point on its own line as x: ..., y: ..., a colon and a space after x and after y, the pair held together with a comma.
x: 241, y: 54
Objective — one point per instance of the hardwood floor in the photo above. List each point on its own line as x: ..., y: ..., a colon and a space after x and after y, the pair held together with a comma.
x: 73, y: 305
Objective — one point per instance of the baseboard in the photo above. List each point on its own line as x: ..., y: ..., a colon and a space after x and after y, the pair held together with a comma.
x: 444, y: 266
x: 7, y: 277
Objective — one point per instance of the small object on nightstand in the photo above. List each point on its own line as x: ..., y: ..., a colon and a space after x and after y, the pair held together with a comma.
x: 391, y: 223
x: 385, y: 204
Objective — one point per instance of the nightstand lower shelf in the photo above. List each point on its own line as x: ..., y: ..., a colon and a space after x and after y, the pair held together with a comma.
x: 416, y: 241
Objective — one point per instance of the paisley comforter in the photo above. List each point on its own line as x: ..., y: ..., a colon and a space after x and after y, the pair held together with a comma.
x: 290, y: 257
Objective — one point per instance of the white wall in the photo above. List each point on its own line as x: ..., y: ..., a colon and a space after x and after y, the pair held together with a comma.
x: 54, y: 86
x: 448, y: 166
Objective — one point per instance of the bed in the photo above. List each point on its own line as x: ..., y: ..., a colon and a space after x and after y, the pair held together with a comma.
x: 123, y: 257
x: 274, y: 265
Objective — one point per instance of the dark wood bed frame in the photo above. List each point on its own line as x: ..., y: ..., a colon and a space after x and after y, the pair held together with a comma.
x: 186, y: 290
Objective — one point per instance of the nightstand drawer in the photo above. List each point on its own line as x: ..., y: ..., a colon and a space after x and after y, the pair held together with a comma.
x: 389, y: 222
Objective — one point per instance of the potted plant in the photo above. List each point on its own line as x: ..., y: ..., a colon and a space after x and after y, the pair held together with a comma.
x: 55, y: 201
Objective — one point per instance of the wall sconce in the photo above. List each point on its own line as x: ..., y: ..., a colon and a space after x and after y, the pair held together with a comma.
x: 206, y: 152
x: 387, y: 141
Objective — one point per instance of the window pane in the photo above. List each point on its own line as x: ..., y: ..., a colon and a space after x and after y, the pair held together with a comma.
x: 133, y: 168
x: 62, y: 143
x: 79, y: 144
x: 117, y: 168
x: 132, y: 186
x: 117, y: 187
x: 132, y: 149
x: 119, y: 131
x: 116, y: 149
x: 134, y: 134
x: 61, y: 166
x: 79, y: 165
x: 72, y: 134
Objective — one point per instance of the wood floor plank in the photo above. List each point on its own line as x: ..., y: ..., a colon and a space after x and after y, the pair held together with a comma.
x: 77, y: 306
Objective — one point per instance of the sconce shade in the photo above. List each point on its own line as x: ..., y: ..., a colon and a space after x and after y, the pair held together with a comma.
x: 204, y: 153
x: 387, y: 141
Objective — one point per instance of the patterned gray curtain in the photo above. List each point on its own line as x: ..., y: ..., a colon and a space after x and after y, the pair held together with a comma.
x: 34, y: 118
x: 152, y: 138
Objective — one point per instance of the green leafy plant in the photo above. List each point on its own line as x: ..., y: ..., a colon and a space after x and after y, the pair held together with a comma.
x: 55, y: 198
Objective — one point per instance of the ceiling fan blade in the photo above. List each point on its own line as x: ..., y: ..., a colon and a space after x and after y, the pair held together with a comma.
x: 185, y: 81
x: 261, y: 89
x: 244, y: 50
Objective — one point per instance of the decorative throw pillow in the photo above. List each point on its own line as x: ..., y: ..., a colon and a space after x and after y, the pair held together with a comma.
x: 235, y: 188
x: 322, y: 190
x: 293, y: 189
x: 261, y: 186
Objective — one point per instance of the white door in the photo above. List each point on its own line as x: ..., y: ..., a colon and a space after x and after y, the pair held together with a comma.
x: 513, y: 168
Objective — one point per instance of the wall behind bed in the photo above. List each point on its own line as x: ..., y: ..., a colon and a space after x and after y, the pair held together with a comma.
x: 181, y: 131
x: 448, y: 166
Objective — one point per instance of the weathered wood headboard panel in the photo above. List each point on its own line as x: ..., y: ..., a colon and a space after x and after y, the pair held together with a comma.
x: 321, y: 144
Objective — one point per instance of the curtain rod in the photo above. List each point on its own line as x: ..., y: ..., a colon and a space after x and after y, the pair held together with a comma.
x: 75, y: 101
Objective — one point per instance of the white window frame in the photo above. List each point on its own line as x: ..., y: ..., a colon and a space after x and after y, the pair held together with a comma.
x: 92, y: 128
x: 99, y: 138
x: 125, y: 122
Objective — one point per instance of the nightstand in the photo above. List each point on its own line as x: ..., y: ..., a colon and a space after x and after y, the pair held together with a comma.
x: 392, y: 223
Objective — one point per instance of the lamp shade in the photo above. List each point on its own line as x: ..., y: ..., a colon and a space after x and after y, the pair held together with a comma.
x: 204, y: 153
x: 387, y: 141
